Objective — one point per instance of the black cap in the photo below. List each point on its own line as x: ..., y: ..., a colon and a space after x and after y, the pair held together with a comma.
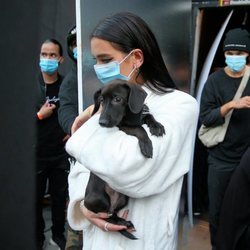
x: 71, y: 40
x: 237, y: 39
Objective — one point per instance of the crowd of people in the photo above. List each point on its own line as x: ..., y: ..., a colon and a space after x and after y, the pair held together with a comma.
x: 71, y: 145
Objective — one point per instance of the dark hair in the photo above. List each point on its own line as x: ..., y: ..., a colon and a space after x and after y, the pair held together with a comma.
x: 71, y: 41
x: 126, y: 32
x: 52, y: 40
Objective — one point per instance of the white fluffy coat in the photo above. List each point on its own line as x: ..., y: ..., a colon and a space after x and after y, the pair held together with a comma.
x: 153, y: 185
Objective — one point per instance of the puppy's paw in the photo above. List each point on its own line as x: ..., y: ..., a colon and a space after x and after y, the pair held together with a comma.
x: 157, y: 129
x: 130, y: 225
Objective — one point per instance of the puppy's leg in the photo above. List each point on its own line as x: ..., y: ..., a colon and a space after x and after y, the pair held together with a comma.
x: 117, y: 200
x: 155, y: 127
x: 96, y: 199
x: 142, y: 136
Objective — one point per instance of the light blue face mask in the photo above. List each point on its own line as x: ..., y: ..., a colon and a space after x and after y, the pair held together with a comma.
x: 236, y: 62
x: 48, y: 66
x: 111, y: 71
x: 75, y: 53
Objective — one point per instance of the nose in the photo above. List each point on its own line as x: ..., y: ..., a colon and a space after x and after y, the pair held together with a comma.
x: 105, y: 122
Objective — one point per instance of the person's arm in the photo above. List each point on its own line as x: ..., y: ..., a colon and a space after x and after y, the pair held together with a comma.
x: 210, y: 108
x: 213, y: 108
x: 243, y: 102
x: 78, y: 216
x: 116, y: 157
x: 68, y: 109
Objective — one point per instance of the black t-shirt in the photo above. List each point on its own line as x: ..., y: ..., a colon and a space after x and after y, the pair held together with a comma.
x: 218, y: 90
x: 49, y: 133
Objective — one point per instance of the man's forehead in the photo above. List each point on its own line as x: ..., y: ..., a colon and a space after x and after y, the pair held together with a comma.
x: 50, y: 47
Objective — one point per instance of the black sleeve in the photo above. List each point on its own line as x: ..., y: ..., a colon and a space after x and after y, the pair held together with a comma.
x: 68, y: 109
x: 210, y: 105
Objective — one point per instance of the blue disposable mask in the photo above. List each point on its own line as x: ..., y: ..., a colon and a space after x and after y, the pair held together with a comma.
x: 236, y: 62
x: 111, y: 71
x: 48, y: 66
x: 75, y: 53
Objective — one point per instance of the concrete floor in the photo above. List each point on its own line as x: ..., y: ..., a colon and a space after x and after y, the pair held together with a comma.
x: 196, y: 238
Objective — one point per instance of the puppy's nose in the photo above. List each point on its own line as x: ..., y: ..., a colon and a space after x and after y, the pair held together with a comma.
x: 104, y: 122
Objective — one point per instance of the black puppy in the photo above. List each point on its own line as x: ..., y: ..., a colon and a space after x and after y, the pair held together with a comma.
x: 123, y: 106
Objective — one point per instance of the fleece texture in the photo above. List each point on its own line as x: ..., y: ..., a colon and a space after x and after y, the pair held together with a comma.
x: 153, y: 185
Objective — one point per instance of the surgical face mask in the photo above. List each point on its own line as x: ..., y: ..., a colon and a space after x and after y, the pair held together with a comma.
x: 111, y: 71
x: 75, y: 53
x: 236, y: 62
x: 48, y: 66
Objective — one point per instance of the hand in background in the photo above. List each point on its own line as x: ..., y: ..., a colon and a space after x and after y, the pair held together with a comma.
x: 243, y: 102
x: 47, y: 110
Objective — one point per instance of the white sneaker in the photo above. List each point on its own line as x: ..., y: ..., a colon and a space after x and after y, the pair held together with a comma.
x: 51, y: 242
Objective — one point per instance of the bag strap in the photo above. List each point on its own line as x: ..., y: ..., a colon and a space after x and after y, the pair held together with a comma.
x: 238, y: 93
x: 243, y: 84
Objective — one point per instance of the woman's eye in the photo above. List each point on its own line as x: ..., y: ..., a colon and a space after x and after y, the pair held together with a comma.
x: 106, y: 60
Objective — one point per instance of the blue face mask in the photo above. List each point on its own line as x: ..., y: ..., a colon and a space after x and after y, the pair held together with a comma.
x: 75, y: 53
x: 236, y: 62
x: 48, y: 66
x: 111, y: 71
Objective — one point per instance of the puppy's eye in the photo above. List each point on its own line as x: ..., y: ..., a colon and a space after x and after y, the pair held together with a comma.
x: 117, y: 99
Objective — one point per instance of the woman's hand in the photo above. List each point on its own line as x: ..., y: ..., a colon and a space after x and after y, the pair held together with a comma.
x: 100, y: 220
x: 82, y: 118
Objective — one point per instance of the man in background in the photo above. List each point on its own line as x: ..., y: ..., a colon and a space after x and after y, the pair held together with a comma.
x: 52, y: 164
x: 67, y: 113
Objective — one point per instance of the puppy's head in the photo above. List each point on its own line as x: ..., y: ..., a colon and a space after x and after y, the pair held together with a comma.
x: 116, y: 98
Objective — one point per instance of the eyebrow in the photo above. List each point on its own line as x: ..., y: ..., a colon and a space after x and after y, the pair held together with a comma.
x: 103, y: 55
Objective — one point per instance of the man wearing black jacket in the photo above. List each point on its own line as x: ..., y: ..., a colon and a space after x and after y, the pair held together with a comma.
x: 68, y: 94
x: 67, y: 113
x: 52, y: 160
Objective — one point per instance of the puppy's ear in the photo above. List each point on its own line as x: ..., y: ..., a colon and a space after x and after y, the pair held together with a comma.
x: 97, y: 101
x: 136, y: 98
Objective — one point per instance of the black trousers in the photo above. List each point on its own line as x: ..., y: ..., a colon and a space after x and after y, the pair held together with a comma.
x: 234, y: 226
x: 219, y: 174
x: 56, y: 173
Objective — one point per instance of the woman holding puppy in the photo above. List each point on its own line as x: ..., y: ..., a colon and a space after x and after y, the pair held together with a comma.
x: 125, y: 48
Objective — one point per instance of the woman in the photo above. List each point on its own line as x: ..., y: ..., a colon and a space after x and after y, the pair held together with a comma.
x: 125, y: 48
x: 216, y: 102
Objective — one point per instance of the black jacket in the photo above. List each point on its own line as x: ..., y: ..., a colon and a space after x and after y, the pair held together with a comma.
x: 50, y: 144
x: 68, y: 95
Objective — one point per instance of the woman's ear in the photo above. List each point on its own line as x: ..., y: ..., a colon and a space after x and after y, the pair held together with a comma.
x: 138, y: 58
